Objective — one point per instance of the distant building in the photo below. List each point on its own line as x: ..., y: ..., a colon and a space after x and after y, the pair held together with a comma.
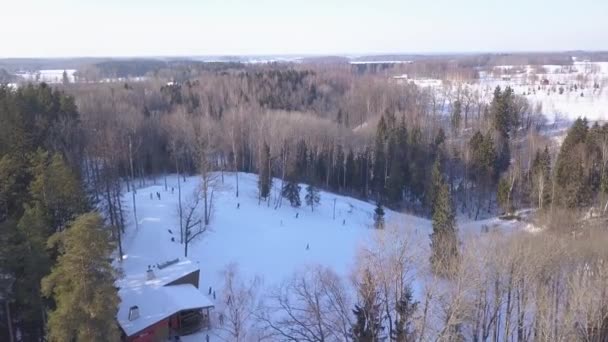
x: 161, y: 302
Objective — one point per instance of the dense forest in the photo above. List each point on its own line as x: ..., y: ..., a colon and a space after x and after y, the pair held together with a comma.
x: 69, y: 153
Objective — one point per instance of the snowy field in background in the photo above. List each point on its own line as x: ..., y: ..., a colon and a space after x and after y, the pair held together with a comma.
x: 593, y: 104
x: 526, y: 80
x: 263, y: 241
x: 48, y: 76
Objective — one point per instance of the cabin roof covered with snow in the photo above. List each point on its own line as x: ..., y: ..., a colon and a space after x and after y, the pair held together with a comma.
x: 156, y: 304
x: 171, y: 271
x: 156, y: 295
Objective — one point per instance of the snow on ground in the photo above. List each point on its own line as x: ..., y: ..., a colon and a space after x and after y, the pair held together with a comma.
x: 262, y: 240
x: 48, y: 75
x: 579, y: 96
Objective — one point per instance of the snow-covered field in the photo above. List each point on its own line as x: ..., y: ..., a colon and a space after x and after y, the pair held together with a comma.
x: 263, y: 241
x: 48, y: 76
x: 564, y: 92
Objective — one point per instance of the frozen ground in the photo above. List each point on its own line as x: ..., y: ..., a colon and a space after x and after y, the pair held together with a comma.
x: 262, y: 240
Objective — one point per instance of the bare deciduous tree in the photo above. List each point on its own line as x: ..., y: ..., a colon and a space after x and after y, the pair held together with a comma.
x: 239, y: 303
x: 312, y: 306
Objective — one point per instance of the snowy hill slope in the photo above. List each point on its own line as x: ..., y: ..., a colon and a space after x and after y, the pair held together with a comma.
x: 264, y: 241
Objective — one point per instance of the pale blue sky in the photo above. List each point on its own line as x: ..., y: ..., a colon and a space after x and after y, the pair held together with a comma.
x: 62, y: 28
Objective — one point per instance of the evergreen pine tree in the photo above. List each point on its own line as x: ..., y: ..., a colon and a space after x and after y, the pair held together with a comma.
x: 291, y: 191
x: 291, y: 188
x: 64, y: 78
x: 56, y: 188
x: 482, y: 167
x: 444, y: 239
x: 82, y: 284
x: 503, y: 196
x: 436, y: 182
x: 265, y: 177
x: 312, y: 197
x: 570, y: 177
x: 405, y: 308
x: 505, y: 120
x: 503, y: 113
x: 368, y: 324
x: 379, y: 216
x: 34, y: 230
x: 503, y: 157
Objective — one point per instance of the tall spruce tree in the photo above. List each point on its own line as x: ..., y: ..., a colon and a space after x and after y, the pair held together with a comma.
x: 505, y: 120
x: 82, y: 284
x: 368, y: 317
x: 570, y: 177
x: 291, y: 188
x: 312, y: 197
x: 379, y: 216
x: 482, y: 167
x: 64, y: 78
x: 291, y: 191
x: 444, y: 239
x: 436, y: 182
x: 405, y: 307
x: 503, y: 196
x: 265, y: 177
